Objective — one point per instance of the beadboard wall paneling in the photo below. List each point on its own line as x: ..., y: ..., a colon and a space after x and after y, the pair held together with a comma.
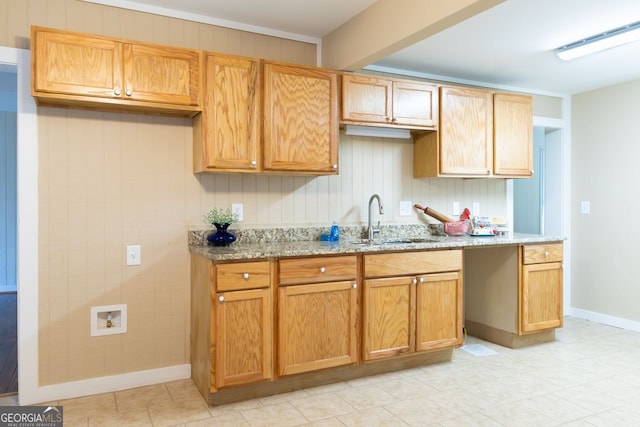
x: 367, y: 166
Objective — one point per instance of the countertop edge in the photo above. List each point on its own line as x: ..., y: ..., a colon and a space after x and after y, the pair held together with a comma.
x: 253, y: 251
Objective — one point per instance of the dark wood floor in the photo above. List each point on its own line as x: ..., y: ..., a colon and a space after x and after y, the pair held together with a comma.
x: 8, y: 344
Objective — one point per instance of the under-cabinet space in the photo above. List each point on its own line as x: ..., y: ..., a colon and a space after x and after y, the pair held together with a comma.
x: 513, y: 296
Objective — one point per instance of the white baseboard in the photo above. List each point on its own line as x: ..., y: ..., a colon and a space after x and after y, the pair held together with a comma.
x: 605, y: 319
x: 108, y: 384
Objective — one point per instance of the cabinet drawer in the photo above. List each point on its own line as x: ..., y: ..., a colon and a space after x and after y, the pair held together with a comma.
x: 318, y: 269
x: 245, y: 275
x: 548, y: 252
x: 400, y: 264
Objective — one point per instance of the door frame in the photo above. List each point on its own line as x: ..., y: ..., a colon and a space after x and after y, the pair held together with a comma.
x: 27, y: 225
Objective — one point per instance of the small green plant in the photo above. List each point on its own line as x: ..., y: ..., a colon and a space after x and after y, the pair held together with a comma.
x: 219, y: 216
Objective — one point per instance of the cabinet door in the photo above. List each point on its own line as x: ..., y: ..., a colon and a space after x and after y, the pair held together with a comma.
x: 317, y: 326
x: 300, y: 119
x: 230, y: 117
x: 513, y: 135
x: 465, y: 131
x: 243, y: 334
x: 366, y: 99
x: 389, y: 317
x: 438, y: 311
x: 161, y: 74
x: 415, y: 104
x: 541, y: 297
x: 76, y: 65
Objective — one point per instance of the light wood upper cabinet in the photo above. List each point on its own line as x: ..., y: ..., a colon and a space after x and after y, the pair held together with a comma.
x: 82, y: 70
x: 372, y: 100
x: 481, y: 134
x: 300, y: 119
x: 227, y: 133
x: 513, y: 135
x: 74, y: 64
x: 161, y: 74
x: 540, y: 291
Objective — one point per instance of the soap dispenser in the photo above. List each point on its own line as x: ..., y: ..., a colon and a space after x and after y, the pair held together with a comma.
x: 334, y: 236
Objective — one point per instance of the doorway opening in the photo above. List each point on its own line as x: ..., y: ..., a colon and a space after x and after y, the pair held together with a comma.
x: 537, y: 202
x: 8, y: 232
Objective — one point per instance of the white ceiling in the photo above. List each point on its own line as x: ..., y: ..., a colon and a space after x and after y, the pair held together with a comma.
x: 510, y: 45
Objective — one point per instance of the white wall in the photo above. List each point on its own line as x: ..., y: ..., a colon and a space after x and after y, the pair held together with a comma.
x: 606, y: 172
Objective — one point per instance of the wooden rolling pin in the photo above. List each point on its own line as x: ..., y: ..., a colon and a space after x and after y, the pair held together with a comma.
x: 433, y: 213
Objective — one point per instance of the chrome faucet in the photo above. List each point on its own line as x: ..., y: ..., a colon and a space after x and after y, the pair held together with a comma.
x: 372, y: 231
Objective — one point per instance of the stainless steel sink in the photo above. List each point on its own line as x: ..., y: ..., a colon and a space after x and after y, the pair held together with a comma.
x: 398, y: 241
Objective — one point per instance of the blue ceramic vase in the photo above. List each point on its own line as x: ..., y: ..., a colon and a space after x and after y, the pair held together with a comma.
x: 221, y: 237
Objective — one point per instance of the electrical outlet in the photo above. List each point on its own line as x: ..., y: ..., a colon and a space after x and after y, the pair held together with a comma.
x: 133, y: 255
x: 238, y: 210
x: 475, y: 211
x: 585, y: 207
x: 455, y: 210
x: 405, y: 208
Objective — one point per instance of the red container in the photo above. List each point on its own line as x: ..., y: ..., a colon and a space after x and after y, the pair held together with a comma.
x: 457, y: 228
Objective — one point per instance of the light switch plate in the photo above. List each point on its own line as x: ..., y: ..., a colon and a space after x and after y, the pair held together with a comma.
x: 133, y: 255
x: 405, y: 208
x: 585, y: 207
x: 455, y: 209
x: 238, y: 209
x: 475, y: 210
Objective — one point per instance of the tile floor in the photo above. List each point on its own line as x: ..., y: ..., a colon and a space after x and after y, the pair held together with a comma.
x: 589, y: 376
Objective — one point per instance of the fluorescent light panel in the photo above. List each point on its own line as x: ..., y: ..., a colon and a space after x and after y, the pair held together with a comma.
x: 617, y: 37
x: 377, y: 132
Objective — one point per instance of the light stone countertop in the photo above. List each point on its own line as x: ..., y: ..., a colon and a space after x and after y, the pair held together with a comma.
x: 279, y: 249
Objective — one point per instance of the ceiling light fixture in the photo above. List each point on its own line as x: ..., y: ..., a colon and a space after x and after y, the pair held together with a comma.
x: 377, y: 132
x: 612, y: 38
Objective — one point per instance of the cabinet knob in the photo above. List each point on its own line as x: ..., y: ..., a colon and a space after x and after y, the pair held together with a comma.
x: 546, y: 254
x: 355, y: 285
x: 221, y: 298
x: 335, y: 166
x: 394, y: 120
x: 253, y: 163
x: 531, y: 171
x: 422, y: 280
x: 245, y: 276
x: 414, y: 281
x: 116, y: 91
x: 388, y: 118
x: 322, y: 269
x: 128, y: 92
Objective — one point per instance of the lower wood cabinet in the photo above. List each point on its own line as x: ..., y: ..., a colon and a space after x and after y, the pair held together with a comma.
x: 317, y: 326
x: 415, y: 312
x: 317, y: 313
x: 540, y: 287
x: 231, y: 323
x: 243, y: 334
